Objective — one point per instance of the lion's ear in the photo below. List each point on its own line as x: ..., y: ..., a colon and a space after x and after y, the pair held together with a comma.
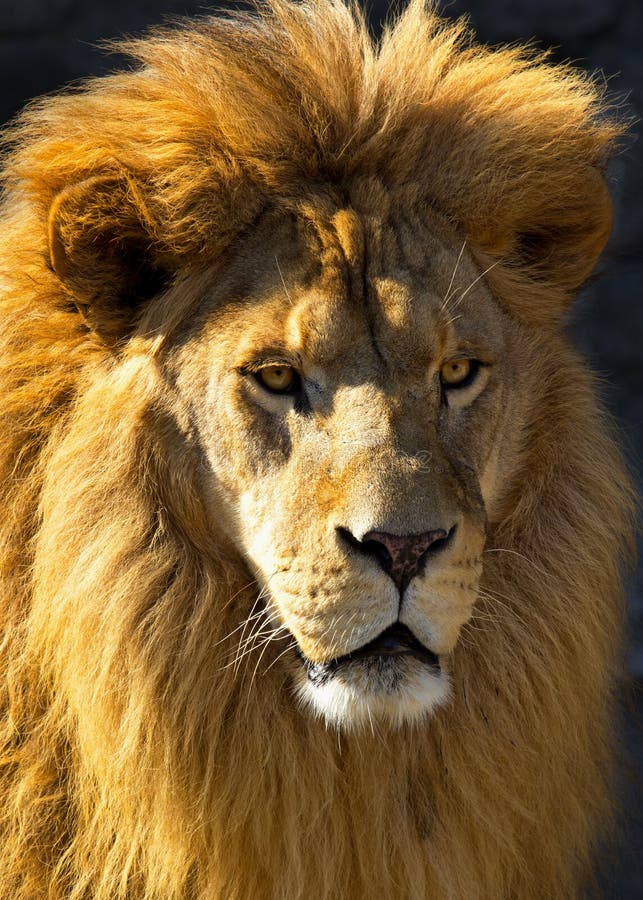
x: 554, y: 238
x: 563, y: 243
x: 101, y: 246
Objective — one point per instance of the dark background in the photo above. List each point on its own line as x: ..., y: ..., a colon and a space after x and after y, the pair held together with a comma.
x: 45, y: 44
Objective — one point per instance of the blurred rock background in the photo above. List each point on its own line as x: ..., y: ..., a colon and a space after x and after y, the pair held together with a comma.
x: 45, y: 44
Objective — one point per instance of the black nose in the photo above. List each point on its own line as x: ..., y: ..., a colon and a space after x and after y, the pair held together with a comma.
x: 401, y: 556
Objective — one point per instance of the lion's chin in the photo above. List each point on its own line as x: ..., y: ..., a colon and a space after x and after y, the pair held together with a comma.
x: 392, y: 681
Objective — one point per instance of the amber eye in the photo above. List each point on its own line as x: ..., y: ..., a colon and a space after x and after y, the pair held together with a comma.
x: 458, y: 372
x: 279, y: 379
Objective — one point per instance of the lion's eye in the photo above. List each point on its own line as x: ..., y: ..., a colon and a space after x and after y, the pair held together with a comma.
x: 458, y: 373
x: 278, y: 379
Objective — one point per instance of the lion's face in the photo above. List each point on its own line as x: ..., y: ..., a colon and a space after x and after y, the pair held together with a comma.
x: 351, y: 428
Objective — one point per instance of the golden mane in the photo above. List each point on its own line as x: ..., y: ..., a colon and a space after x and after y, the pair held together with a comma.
x: 132, y: 764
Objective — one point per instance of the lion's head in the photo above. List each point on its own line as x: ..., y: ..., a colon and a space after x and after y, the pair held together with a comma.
x: 355, y: 393
x: 295, y: 438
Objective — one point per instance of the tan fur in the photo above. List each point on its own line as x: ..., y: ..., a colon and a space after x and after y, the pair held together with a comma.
x: 266, y: 180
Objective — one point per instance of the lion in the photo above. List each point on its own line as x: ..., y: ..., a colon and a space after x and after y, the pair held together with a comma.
x: 313, y: 526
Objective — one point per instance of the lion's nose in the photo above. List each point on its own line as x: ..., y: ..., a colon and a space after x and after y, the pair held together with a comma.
x: 401, y: 556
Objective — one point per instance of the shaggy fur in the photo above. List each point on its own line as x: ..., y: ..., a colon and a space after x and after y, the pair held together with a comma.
x: 135, y: 765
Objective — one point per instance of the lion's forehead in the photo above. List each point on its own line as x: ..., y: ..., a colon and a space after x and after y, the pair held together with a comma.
x: 394, y: 327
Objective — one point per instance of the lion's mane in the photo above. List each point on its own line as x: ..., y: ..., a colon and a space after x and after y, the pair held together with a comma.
x: 134, y: 764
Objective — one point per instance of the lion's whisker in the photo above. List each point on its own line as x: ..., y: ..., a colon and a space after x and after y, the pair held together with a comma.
x: 290, y: 300
x: 486, y: 616
x: 257, y: 625
x: 522, y: 556
x: 258, y: 663
x: 238, y: 627
x: 259, y: 629
x: 370, y: 719
x: 236, y: 594
x: 260, y: 596
x: 447, y: 296
x: 473, y: 283
x: 452, y: 320
x: 512, y: 613
x: 259, y: 639
x: 291, y: 646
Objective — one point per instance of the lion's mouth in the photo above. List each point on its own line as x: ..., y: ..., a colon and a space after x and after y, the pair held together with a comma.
x: 395, y: 641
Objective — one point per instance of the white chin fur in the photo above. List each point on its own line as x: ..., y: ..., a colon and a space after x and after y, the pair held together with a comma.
x: 348, y: 702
